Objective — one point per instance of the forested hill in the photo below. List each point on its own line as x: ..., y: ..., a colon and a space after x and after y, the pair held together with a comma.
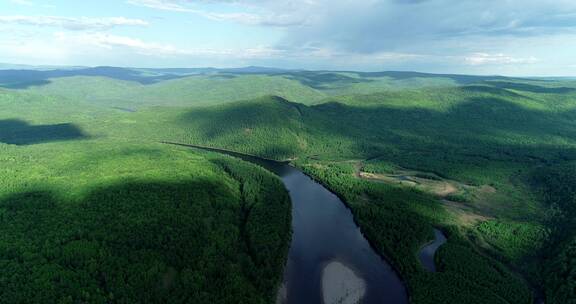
x: 137, y: 88
x: 488, y: 160
x: 491, y: 137
x: 88, y: 217
x: 480, y: 123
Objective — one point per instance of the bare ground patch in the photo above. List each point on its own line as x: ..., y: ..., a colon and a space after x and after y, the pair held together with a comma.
x: 438, y: 187
x: 465, y: 213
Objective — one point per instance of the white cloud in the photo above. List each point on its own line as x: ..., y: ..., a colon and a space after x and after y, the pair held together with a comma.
x: 254, y: 19
x: 497, y: 59
x: 458, y: 36
x: 164, y: 5
x: 76, y: 24
x: 113, y: 43
x: 103, y: 48
x: 263, y: 18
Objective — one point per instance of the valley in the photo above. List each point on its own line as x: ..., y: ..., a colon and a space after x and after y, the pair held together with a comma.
x: 88, y: 183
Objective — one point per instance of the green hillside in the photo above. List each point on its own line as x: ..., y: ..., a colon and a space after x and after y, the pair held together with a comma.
x: 189, y: 91
x: 137, y: 88
x: 489, y: 160
x: 486, y: 139
x: 91, y: 218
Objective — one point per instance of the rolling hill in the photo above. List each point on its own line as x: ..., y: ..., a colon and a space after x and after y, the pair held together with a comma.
x: 91, y: 217
x: 489, y: 160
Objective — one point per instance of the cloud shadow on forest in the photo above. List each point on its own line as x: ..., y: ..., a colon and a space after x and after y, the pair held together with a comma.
x: 19, y: 132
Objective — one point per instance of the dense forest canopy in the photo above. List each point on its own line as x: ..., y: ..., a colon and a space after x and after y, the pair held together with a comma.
x: 94, y: 208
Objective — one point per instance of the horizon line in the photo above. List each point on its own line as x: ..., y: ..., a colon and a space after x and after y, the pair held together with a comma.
x: 31, y: 67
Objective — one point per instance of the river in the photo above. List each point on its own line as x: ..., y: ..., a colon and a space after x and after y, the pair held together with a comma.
x: 329, y: 260
x: 428, y: 252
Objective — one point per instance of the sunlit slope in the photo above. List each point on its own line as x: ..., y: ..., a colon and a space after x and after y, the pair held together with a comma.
x: 88, y: 216
x: 34, y: 106
x: 269, y: 126
x: 485, y: 120
x: 339, y: 83
x: 226, y: 88
x: 130, y: 88
x: 95, y: 90
x: 480, y: 135
x: 189, y: 91
x: 36, y: 115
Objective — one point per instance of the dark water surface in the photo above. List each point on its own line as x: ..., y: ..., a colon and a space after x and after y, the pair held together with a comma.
x: 324, y: 231
x: 428, y: 252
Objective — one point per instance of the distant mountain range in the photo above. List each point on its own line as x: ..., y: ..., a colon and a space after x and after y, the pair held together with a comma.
x: 113, y: 72
x: 13, y: 66
x: 206, y: 70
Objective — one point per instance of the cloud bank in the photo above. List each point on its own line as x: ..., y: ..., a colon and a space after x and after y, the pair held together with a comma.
x: 435, y: 34
x: 74, y: 24
x: 515, y: 37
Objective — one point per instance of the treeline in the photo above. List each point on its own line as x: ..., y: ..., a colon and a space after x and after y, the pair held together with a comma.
x: 398, y: 222
x: 192, y: 241
x: 557, y: 186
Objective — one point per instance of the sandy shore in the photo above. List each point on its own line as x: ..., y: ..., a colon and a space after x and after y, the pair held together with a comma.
x: 341, y: 285
x: 282, y: 294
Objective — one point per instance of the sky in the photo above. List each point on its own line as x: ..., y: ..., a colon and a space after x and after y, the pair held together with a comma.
x: 505, y: 37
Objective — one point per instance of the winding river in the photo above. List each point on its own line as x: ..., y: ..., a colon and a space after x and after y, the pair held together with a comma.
x: 428, y: 252
x: 329, y: 260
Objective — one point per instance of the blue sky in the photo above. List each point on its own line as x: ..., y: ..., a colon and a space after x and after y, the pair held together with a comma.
x: 508, y: 37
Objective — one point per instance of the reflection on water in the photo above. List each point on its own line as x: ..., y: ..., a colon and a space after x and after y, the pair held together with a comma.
x: 323, y: 231
x: 326, y: 240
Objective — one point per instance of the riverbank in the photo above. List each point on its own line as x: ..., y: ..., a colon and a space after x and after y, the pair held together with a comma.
x: 324, y: 231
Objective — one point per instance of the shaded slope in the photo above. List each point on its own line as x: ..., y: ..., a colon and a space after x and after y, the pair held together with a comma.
x: 19, y: 132
x: 109, y: 222
x: 469, y: 122
x: 23, y: 79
